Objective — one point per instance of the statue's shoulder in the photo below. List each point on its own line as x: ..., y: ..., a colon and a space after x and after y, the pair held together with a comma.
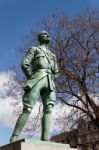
x: 52, y: 54
x: 33, y: 49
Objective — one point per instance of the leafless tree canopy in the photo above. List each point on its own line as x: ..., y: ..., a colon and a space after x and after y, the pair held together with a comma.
x: 75, y: 41
x: 76, y: 44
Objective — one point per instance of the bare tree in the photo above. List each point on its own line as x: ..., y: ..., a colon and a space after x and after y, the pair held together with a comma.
x: 75, y: 41
x: 76, y: 44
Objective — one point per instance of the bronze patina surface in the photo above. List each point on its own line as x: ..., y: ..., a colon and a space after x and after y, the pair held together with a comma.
x: 40, y: 68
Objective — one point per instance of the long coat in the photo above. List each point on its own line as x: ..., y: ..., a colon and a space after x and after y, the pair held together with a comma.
x: 37, y: 64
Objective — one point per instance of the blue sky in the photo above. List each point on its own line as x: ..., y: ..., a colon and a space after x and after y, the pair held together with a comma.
x: 17, y: 18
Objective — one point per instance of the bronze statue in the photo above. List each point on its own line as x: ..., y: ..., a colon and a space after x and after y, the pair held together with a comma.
x: 40, y: 68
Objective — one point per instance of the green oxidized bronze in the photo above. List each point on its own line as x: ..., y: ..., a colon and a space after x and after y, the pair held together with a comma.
x: 40, y: 68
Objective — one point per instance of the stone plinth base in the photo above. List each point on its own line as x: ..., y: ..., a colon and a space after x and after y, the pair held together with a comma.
x: 35, y: 145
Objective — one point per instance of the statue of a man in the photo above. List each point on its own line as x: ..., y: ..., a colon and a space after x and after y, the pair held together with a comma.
x: 40, y: 68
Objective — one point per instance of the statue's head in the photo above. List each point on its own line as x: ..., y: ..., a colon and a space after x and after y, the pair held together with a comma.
x: 43, y: 37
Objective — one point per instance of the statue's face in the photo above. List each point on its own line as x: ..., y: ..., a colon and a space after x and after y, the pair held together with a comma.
x: 44, y: 37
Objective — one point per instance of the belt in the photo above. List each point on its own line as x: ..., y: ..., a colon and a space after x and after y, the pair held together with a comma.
x: 44, y: 70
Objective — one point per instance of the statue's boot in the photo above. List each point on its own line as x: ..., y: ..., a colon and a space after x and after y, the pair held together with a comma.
x: 14, y: 138
x: 20, y: 124
x: 46, y: 123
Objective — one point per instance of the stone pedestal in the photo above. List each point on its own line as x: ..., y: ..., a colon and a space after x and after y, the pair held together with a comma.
x: 35, y: 145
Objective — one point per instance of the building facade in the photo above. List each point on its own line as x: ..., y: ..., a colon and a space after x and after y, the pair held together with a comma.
x: 86, y: 137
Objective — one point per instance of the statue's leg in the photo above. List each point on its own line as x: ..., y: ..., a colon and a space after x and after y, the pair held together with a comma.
x: 48, y: 99
x: 46, y: 122
x: 20, y: 124
x: 29, y: 100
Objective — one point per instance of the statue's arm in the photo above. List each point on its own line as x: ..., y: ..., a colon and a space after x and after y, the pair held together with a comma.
x: 26, y: 64
x: 56, y: 69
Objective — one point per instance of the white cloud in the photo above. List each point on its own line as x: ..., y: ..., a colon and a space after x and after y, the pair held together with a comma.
x: 59, y: 114
x: 4, y: 79
x: 7, y: 118
x: 9, y: 105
